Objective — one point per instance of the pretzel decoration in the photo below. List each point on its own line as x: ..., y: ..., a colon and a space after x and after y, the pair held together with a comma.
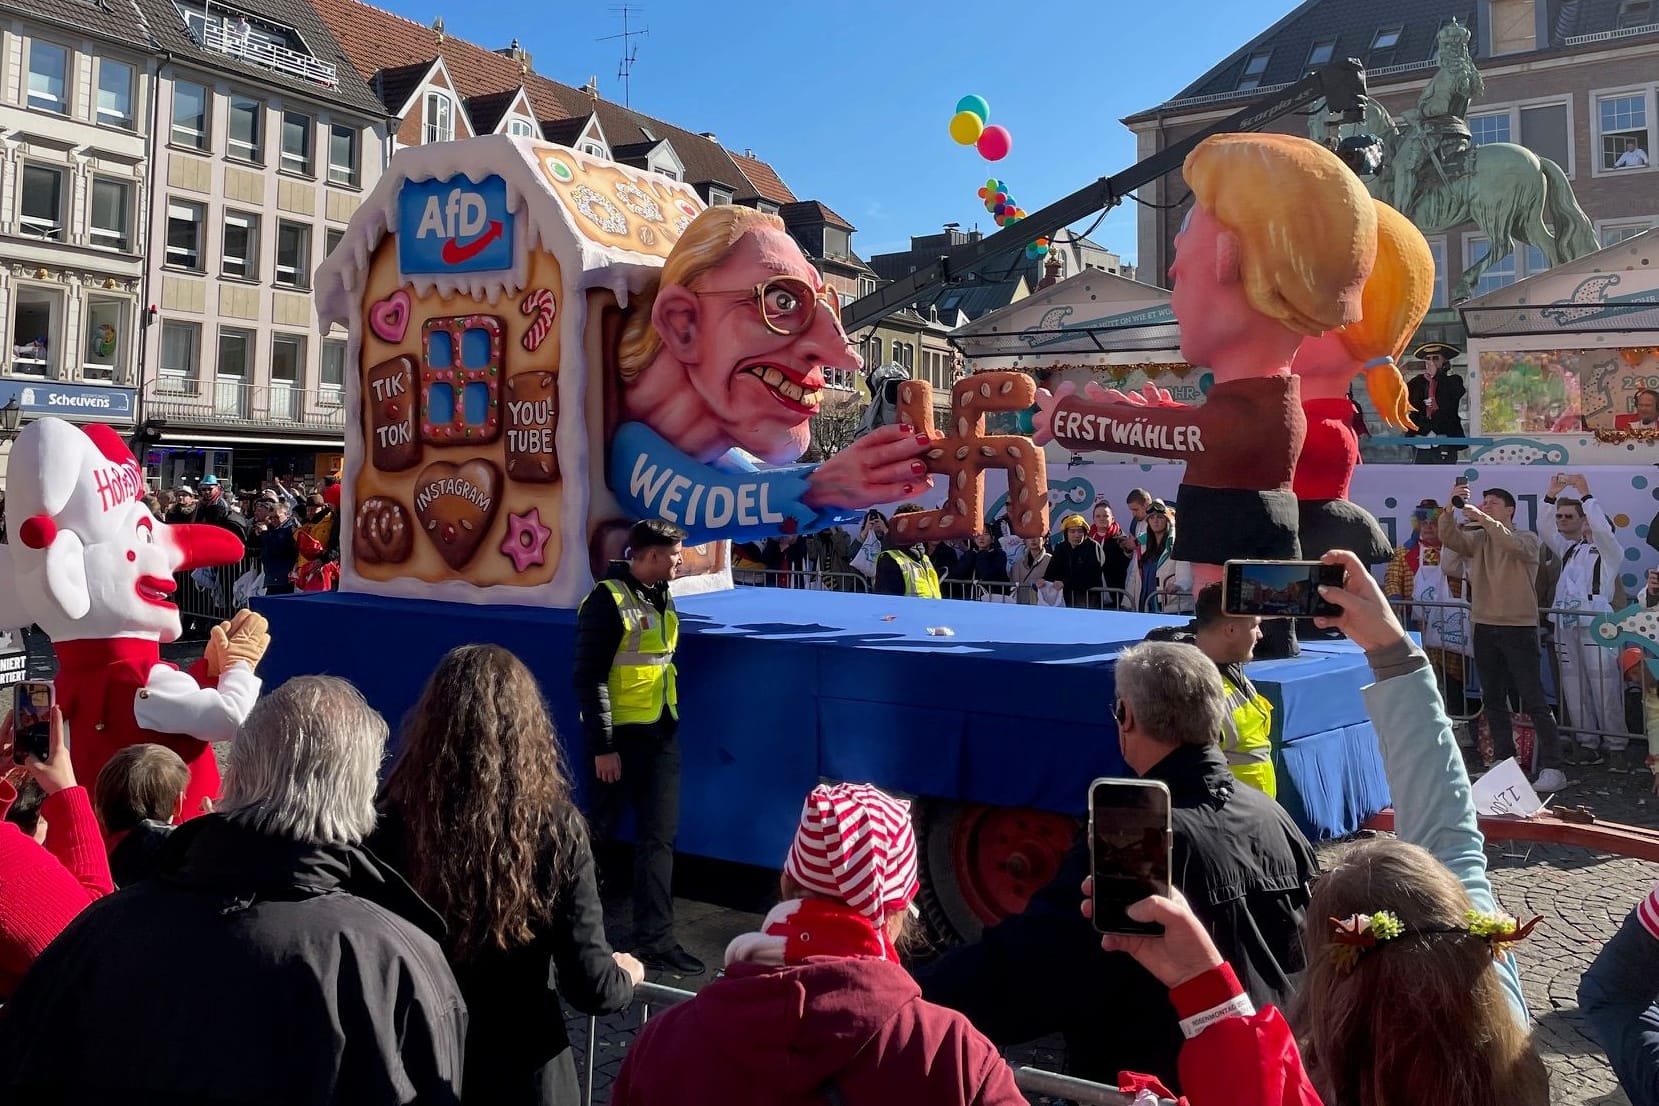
x: 964, y: 456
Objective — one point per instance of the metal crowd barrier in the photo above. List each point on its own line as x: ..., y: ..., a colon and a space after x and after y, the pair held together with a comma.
x: 208, y: 596
x: 1030, y: 1080
x: 1448, y: 639
x: 986, y: 591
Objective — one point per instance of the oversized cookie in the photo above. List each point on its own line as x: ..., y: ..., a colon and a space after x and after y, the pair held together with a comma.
x: 461, y: 380
x: 455, y: 505
x: 389, y: 393
x: 382, y: 534
x: 532, y: 417
x: 964, y: 453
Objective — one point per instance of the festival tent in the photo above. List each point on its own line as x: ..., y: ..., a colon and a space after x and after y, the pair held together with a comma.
x: 1564, y: 352
x: 1093, y: 326
x: 1093, y: 313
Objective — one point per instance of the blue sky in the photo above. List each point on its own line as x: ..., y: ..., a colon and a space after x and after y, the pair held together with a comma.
x: 850, y: 101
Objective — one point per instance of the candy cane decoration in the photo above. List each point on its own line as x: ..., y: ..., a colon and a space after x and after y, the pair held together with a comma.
x: 541, y: 304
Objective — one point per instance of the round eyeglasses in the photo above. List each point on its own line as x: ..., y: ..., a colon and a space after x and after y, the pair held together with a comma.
x: 788, y: 305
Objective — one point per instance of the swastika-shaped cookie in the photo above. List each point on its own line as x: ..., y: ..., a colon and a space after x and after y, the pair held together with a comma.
x: 963, y: 453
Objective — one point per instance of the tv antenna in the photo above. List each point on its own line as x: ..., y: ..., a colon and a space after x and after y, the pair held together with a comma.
x: 630, y: 50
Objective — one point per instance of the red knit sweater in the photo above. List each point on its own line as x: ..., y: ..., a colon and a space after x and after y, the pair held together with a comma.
x: 42, y: 889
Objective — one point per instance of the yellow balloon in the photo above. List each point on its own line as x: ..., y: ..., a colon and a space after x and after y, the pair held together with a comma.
x: 966, y: 127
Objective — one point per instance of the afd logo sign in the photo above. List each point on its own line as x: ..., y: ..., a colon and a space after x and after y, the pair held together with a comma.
x: 454, y: 226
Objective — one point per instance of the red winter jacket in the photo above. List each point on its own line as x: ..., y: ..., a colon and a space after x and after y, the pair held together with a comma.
x: 42, y: 889
x: 777, y: 1036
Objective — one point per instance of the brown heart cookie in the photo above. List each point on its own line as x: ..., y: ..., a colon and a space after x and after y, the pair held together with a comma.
x: 455, y: 505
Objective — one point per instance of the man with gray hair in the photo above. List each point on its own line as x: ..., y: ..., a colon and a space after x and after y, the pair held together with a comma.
x: 1241, y: 863
x: 273, y: 960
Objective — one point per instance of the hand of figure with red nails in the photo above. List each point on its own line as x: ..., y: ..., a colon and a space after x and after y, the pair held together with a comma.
x: 884, y: 466
x: 1150, y: 395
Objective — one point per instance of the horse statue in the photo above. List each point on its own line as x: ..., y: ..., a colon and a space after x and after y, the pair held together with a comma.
x: 883, y: 382
x: 1439, y: 180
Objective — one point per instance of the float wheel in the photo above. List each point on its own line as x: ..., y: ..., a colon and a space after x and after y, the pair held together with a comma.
x: 982, y: 863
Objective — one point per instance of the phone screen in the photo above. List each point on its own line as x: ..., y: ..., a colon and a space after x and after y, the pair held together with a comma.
x: 1129, y: 848
x: 1279, y: 589
x: 31, y: 721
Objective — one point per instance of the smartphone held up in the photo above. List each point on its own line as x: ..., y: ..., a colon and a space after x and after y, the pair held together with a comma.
x: 1129, y: 850
x: 32, y: 721
x: 1280, y: 589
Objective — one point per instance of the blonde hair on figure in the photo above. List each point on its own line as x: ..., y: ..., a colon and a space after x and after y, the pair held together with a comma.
x: 1307, y: 229
x: 704, y: 246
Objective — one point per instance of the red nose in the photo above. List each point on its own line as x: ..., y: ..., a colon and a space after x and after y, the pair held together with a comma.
x: 200, y: 546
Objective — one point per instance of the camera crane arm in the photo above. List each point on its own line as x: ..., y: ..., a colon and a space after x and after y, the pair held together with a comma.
x: 1341, y: 85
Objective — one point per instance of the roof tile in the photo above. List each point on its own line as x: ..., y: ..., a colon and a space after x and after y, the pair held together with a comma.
x: 375, y: 39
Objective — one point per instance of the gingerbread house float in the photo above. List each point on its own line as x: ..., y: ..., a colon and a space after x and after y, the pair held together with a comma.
x: 483, y: 285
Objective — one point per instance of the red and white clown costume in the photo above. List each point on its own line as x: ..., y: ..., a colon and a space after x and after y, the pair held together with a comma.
x: 92, y: 567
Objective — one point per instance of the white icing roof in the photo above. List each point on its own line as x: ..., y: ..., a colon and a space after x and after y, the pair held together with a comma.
x: 1613, y: 290
x: 608, y: 225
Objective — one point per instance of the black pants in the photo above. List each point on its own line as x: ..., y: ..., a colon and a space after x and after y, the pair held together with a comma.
x: 1507, y: 660
x: 650, y: 787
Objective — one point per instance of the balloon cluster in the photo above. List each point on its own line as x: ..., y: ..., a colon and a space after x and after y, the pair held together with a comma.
x: 1001, y: 203
x: 1037, y: 249
x: 968, y: 128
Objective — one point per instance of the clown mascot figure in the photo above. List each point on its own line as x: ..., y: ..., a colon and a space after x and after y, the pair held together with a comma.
x: 94, y: 568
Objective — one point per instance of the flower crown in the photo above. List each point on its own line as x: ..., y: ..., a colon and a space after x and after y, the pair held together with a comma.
x: 1357, y: 934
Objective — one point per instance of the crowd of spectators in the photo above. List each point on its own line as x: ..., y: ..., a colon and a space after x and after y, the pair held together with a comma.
x: 414, y: 941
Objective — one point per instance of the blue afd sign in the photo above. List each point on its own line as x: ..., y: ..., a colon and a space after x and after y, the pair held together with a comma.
x: 454, y: 226
x: 76, y: 402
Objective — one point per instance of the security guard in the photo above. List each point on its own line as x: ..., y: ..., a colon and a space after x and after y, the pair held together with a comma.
x: 1230, y: 641
x: 626, y: 632
x: 906, y: 570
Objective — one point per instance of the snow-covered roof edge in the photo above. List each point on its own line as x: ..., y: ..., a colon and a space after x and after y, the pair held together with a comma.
x: 546, y: 224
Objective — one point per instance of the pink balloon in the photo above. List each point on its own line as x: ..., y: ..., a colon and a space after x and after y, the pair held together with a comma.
x: 994, y: 143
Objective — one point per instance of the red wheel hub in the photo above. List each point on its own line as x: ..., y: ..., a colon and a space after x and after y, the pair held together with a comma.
x: 1003, y: 855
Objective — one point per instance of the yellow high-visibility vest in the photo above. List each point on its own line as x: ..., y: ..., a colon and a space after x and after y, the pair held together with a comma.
x: 1248, y: 740
x: 643, y: 682
x: 920, y: 577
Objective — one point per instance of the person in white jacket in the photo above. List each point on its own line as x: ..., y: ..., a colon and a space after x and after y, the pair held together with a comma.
x: 1580, y: 534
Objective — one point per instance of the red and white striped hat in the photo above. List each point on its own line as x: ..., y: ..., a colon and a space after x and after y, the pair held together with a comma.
x: 855, y: 844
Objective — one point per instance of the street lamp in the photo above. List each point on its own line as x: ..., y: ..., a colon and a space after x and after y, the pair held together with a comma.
x: 10, y: 415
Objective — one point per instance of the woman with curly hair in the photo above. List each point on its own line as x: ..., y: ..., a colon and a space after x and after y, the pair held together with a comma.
x: 477, y: 812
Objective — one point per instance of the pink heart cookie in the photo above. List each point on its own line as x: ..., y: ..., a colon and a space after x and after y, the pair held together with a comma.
x: 389, y: 319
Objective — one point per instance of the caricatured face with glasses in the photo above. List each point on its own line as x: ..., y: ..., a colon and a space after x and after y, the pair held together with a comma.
x: 745, y: 351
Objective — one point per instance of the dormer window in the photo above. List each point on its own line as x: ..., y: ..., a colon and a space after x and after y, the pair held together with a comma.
x: 1254, y: 67
x: 254, y: 39
x: 594, y: 149
x: 440, y: 118
x: 521, y: 128
x: 1383, y: 44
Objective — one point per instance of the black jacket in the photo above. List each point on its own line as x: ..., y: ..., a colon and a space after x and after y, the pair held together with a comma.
x: 1241, y: 863
x: 517, y: 1051
x: 138, y: 853
x: 1079, y: 569
x: 1448, y: 396
x: 598, y: 636
x: 220, y: 513
x: 253, y: 969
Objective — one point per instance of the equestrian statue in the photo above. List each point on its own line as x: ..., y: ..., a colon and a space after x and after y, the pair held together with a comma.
x: 1434, y: 174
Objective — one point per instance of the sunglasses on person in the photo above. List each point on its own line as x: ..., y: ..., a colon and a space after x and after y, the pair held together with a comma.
x: 788, y: 305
